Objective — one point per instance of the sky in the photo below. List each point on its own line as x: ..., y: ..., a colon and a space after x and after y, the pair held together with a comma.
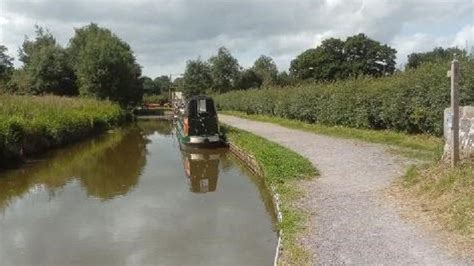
x: 165, y: 34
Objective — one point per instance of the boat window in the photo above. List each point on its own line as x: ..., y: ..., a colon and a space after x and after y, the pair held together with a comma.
x: 210, y: 107
x: 202, y: 106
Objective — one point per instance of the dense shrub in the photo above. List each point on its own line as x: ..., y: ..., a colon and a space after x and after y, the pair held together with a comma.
x: 152, y: 98
x: 412, y: 101
x: 29, y: 124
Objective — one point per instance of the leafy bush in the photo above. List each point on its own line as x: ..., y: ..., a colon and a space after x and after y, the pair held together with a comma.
x: 29, y: 124
x: 412, y: 101
x: 158, y: 99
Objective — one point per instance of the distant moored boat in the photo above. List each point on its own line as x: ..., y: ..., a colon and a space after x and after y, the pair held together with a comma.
x: 198, y: 124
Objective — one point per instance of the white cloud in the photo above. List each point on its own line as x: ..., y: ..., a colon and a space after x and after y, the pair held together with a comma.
x: 465, y: 37
x: 422, y: 42
x: 164, y: 34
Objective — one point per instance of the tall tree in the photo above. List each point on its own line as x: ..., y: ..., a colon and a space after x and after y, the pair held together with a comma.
x: 6, y: 66
x: 337, y: 59
x: 248, y: 79
x: 149, y: 86
x: 326, y: 62
x: 163, y: 84
x: 368, y: 57
x: 283, y: 79
x: 224, y: 70
x: 105, y: 65
x: 178, y: 84
x: 266, y: 70
x: 437, y: 54
x: 46, y: 68
x: 197, y: 77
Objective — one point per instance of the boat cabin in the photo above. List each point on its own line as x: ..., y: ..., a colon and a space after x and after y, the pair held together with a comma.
x: 198, y: 123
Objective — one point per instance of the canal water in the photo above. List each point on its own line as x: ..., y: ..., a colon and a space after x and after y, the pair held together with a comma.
x: 133, y: 197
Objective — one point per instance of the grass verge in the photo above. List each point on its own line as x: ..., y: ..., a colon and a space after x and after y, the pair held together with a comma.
x: 281, y: 169
x: 421, y: 147
x: 447, y: 193
x: 31, y: 124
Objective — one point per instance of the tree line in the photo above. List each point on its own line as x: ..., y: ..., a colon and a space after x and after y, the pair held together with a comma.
x: 334, y: 59
x: 95, y: 63
x: 222, y: 73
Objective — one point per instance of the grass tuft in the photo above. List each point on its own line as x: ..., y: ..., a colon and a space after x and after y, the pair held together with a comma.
x: 448, y: 192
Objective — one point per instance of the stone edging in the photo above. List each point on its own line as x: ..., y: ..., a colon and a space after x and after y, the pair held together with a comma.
x: 251, y: 163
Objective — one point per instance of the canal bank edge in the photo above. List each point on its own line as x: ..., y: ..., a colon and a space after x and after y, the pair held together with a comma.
x: 251, y: 163
x: 282, y: 171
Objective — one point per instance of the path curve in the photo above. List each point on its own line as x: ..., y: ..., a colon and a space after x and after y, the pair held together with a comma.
x: 350, y: 220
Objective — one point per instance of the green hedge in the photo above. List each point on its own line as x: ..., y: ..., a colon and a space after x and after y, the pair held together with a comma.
x: 412, y: 101
x: 30, y: 124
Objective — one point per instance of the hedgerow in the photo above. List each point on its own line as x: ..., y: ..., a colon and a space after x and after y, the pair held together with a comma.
x: 30, y: 124
x: 411, y: 101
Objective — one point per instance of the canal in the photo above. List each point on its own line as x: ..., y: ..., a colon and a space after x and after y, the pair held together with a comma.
x: 133, y: 197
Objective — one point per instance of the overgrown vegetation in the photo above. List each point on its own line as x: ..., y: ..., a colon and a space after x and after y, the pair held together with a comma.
x: 411, y: 102
x: 95, y: 63
x: 281, y: 168
x: 155, y: 98
x: 29, y: 124
x: 447, y: 193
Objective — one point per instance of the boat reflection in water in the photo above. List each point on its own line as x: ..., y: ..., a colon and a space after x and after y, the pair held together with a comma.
x: 202, y: 168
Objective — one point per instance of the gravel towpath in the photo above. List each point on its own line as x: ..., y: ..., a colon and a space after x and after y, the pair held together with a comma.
x: 351, y: 222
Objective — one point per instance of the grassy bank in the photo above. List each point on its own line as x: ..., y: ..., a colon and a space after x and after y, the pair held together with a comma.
x: 423, y: 147
x: 447, y: 193
x: 282, y: 168
x: 30, y: 124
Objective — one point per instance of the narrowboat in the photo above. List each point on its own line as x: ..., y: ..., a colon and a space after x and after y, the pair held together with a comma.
x: 197, y: 123
x: 202, y: 168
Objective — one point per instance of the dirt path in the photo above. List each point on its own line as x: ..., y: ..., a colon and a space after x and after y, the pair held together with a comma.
x: 351, y: 221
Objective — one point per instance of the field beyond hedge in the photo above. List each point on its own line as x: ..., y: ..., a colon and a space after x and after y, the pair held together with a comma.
x: 412, y: 101
x: 30, y: 124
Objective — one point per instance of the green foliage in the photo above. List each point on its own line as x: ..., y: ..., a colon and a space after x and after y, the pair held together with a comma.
x: 266, y: 69
x: 248, y: 79
x: 197, y: 77
x: 105, y: 65
x: 281, y: 167
x: 46, y: 68
x: 156, y: 86
x: 153, y: 98
x: 448, y: 193
x: 224, y: 70
x: 283, y: 79
x: 163, y: 84
x: 149, y: 86
x: 412, y: 101
x: 178, y: 84
x: 29, y: 124
x: 438, y: 54
x: 6, y: 66
x: 336, y: 59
